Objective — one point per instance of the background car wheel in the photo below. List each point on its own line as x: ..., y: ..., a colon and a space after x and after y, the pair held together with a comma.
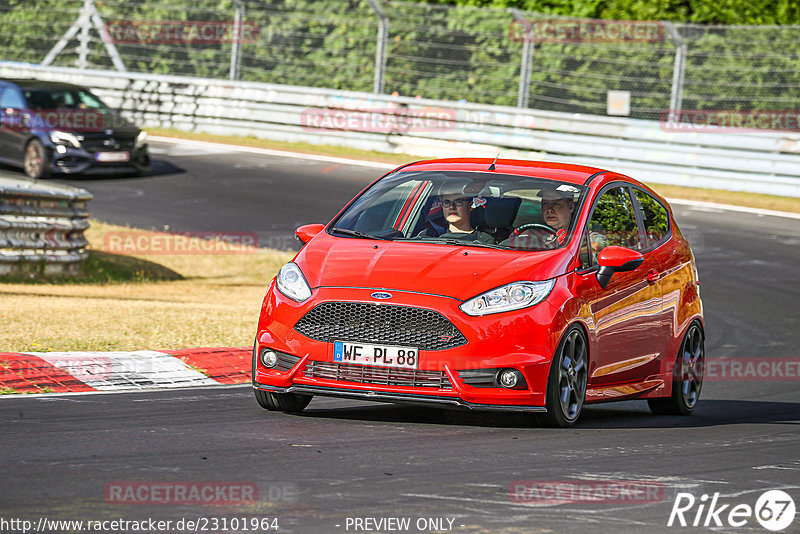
x: 36, y: 161
x: 687, y: 378
x: 566, y: 384
x: 283, y: 402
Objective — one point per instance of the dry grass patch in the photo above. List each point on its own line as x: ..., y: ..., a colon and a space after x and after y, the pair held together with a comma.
x: 145, y: 302
x: 736, y: 198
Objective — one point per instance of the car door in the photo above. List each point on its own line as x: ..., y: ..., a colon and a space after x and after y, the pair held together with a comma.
x: 13, y: 132
x: 655, y: 221
x: 627, y: 314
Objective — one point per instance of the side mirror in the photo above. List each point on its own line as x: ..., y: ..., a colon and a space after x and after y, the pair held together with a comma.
x: 614, y: 260
x: 305, y: 233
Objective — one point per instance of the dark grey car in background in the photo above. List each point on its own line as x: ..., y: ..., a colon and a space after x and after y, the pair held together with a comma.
x: 52, y: 127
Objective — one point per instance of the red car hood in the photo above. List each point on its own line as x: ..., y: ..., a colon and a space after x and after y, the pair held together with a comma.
x: 460, y: 272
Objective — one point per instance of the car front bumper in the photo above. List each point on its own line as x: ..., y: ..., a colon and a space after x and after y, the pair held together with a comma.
x: 523, y: 340
x: 80, y: 161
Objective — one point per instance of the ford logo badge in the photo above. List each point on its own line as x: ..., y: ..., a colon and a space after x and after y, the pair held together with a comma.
x: 381, y: 296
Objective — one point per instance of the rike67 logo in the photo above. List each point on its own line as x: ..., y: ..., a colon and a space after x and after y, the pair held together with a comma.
x: 774, y: 510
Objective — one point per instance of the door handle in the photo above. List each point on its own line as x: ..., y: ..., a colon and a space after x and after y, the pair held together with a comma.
x: 653, y: 276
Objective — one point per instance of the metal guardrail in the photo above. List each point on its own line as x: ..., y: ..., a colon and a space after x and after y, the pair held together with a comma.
x: 41, y: 227
x: 762, y: 162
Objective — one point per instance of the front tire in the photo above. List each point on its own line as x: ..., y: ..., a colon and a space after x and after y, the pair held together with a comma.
x: 280, y: 402
x: 687, y: 378
x: 36, y: 161
x: 566, y: 384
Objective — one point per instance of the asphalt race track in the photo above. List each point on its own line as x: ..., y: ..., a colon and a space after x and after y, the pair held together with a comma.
x: 342, y: 460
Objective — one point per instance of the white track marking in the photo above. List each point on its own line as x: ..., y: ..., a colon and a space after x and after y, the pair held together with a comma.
x: 196, y: 147
x: 141, y: 369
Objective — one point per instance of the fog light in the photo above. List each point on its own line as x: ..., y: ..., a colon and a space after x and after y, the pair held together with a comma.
x: 507, y: 378
x: 61, y: 149
x: 269, y: 358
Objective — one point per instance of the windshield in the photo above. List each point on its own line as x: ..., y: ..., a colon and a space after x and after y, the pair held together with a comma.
x: 465, y: 208
x: 62, y: 99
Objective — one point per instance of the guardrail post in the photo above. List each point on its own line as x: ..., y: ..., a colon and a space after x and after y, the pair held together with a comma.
x: 238, y: 34
x: 86, y: 24
x: 380, y: 52
x: 89, y: 16
x: 527, y: 59
x: 678, y: 71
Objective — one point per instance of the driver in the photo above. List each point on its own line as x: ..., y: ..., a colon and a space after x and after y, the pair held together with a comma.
x: 557, y: 209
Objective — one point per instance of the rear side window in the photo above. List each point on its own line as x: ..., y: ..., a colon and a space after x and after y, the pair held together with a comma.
x: 655, y: 218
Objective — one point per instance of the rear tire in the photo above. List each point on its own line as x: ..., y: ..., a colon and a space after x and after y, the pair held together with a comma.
x: 566, y: 384
x: 36, y: 161
x: 277, y: 402
x: 687, y: 377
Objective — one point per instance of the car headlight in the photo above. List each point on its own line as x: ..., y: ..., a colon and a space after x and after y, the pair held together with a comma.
x: 64, y: 138
x: 509, y: 297
x: 292, y: 283
x: 141, y: 138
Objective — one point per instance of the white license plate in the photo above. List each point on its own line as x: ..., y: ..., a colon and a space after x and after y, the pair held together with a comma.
x: 112, y: 157
x: 381, y: 355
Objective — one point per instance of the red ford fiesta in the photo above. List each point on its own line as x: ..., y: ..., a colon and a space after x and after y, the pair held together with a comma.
x: 505, y: 285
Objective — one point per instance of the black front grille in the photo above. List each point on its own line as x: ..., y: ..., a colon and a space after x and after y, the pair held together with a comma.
x: 100, y: 141
x: 380, y: 323
x: 367, y: 374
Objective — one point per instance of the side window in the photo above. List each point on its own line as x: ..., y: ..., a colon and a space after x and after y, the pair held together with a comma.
x: 613, y: 222
x: 655, y: 218
x: 11, y: 99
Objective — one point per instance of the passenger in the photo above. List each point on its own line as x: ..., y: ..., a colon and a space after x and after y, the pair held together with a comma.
x: 456, y: 209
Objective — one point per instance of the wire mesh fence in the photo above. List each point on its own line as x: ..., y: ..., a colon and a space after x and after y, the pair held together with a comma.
x: 482, y: 55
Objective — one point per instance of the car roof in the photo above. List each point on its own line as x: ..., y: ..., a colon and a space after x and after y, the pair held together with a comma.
x: 564, y: 172
x: 30, y: 83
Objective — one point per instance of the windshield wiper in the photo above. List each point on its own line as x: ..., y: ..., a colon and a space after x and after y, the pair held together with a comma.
x: 356, y: 233
x: 459, y: 242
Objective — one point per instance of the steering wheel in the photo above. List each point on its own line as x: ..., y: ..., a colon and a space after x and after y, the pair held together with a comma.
x: 532, y: 226
x: 539, y: 236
